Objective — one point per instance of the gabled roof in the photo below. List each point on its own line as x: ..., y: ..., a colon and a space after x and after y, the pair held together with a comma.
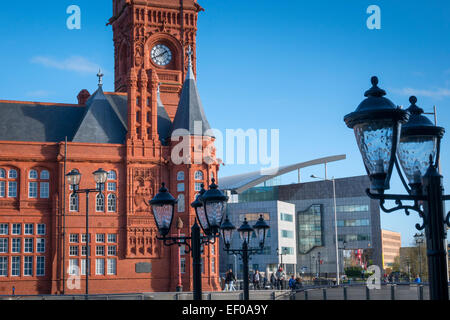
x: 38, y: 122
x: 190, y: 110
x: 101, y: 122
x: 52, y: 122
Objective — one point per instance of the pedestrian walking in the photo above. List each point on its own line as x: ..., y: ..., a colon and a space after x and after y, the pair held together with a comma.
x: 292, y: 282
x: 264, y: 281
x: 273, y: 280
x: 298, y: 283
x: 280, y: 278
x: 229, y: 281
x: 256, y: 280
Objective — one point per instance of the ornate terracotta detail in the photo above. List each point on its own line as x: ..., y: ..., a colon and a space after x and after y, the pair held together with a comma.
x: 143, y: 243
x: 144, y: 189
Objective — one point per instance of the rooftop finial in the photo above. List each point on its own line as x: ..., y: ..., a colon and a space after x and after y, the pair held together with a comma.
x: 100, y: 78
x: 190, y: 53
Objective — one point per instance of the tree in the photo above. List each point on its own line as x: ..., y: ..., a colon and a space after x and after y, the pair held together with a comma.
x: 396, y: 264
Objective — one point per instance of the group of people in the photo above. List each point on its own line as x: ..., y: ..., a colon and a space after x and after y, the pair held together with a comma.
x: 260, y: 281
x: 395, y: 277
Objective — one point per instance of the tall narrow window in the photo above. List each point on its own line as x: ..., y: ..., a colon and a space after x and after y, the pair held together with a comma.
x: 180, y: 176
x: 40, y: 266
x: 3, y: 245
x: 28, y: 265
x: 112, y: 203
x: 73, y: 202
x: 2, y: 183
x: 32, y: 189
x: 11, y: 183
x: 44, y: 185
x: 4, y: 229
x: 100, y: 267
x: 15, y: 266
x: 73, y: 267
x: 112, y: 266
x: 180, y: 204
x: 112, y: 189
x: 3, y: 266
x: 16, y: 245
x: 100, y: 202
x: 40, y: 245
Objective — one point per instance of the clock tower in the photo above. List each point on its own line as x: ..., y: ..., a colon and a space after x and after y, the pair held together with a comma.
x: 152, y: 36
x: 155, y: 59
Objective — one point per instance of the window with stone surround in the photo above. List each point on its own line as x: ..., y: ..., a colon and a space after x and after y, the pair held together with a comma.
x: 8, y: 183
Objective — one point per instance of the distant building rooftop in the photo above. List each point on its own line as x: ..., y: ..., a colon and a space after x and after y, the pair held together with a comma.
x: 242, y: 182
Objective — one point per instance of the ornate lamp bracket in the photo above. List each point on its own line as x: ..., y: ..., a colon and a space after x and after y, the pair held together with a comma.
x: 240, y: 252
x: 179, y: 241
x: 400, y: 206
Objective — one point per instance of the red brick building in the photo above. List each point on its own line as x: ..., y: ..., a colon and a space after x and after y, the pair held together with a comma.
x: 127, y: 133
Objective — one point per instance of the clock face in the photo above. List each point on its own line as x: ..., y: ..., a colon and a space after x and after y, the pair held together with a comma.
x: 161, y: 55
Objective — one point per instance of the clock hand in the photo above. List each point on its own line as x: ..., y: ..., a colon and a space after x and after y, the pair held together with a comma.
x: 161, y: 54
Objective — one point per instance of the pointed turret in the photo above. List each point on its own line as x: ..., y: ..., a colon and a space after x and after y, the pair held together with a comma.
x: 190, y: 109
x: 100, y: 122
x: 164, y: 122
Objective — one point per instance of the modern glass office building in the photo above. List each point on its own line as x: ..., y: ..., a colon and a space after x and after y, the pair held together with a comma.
x: 310, y: 245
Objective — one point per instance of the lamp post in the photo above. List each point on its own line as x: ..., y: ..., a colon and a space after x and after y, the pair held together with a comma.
x: 335, y: 225
x: 180, y: 283
x: 344, y: 244
x: 318, y: 261
x: 283, y: 252
x: 209, y: 208
x: 408, y: 264
x: 245, y: 232
x: 74, y: 178
x: 419, y: 240
x: 388, y: 135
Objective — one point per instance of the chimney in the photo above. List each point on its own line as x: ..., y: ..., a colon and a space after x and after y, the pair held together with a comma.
x: 83, y: 96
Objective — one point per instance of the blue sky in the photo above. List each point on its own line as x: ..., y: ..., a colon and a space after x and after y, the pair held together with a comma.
x: 297, y: 66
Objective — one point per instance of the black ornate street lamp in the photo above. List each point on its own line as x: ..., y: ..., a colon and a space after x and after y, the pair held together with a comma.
x: 209, y: 207
x: 385, y: 133
x: 419, y: 240
x: 100, y: 178
x: 245, y: 232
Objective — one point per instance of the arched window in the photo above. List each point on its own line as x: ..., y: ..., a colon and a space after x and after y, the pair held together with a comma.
x: 100, y: 203
x: 12, y: 174
x: 45, y: 175
x: 180, y: 204
x: 112, y: 175
x: 33, y: 174
x: 198, y: 175
x: 73, y: 202
x: 180, y: 176
x: 112, y: 203
x: 8, y: 183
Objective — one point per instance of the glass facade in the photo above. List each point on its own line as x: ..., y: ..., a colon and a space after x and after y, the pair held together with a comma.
x: 353, y: 208
x: 259, y: 194
x: 310, y: 233
x: 353, y: 223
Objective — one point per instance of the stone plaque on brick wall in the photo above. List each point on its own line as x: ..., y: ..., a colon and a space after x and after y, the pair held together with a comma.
x: 143, y: 267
